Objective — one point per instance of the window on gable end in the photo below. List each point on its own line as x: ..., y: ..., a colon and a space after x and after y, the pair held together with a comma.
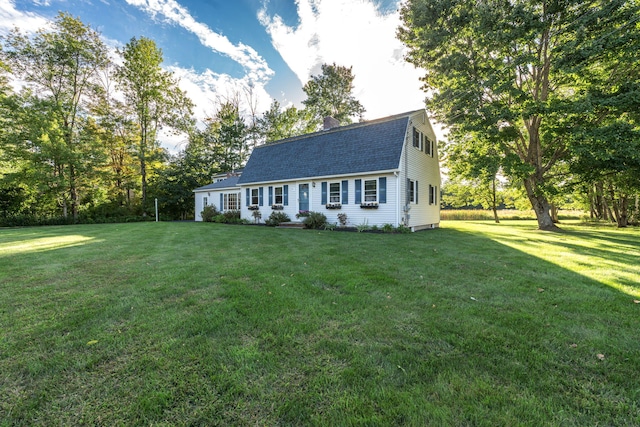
x: 416, y: 138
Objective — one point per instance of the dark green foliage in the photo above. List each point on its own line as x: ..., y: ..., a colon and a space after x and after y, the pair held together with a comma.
x: 517, y: 82
x: 209, y: 212
x: 276, y: 218
x: 388, y: 228
x: 277, y: 124
x: 331, y: 94
x: 315, y: 220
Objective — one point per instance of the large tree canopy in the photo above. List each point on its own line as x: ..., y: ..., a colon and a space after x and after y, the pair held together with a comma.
x: 518, y: 73
x: 153, y: 96
x: 59, y: 67
x: 331, y: 94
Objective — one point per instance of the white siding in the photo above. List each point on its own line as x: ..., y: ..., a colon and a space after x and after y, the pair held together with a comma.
x: 213, y: 198
x: 200, y: 203
x: 418, y: 166
x: 386, y: 213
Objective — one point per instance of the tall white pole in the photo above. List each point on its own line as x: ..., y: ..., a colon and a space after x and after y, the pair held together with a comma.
x: 156, y: 210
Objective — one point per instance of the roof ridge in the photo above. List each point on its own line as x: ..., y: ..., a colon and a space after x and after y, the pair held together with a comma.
x: 339, y: 128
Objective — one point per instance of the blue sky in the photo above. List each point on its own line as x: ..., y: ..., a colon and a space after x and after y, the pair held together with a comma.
x: 220, y: 47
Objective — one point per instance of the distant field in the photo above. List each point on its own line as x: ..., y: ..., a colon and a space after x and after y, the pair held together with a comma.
x: 506, y: 214
x: 474, y: 323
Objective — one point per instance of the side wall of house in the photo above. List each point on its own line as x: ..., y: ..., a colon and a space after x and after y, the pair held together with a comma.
x: 201, y: 198
x: 420, y: 184
x: 214, y: 197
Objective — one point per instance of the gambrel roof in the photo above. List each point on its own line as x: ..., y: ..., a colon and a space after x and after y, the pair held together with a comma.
x: 358, y: 148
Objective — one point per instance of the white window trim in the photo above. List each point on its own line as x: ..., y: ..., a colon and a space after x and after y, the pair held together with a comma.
x: 376, y: 196
x: 339, y: 201
x: 275, y: 195
x: 412, y: 191
x: 226, y: 201
x: 257, y: 196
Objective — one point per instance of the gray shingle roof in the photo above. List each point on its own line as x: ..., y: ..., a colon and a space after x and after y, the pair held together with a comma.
x: 361, y: 147
x: 230, y: 182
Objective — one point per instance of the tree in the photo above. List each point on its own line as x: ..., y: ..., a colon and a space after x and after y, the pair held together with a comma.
x: 605, y: 152
x: 60, y: 67
x: 229, y: 132
x: 502, y: 69
x: 277, y: 124
x: 331, y: 94
x: 154, y: 98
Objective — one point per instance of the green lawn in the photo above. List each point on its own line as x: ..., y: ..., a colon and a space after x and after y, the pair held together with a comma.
x: 475, y: 324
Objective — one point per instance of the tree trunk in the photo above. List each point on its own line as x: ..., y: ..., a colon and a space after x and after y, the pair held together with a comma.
x: 623, y: 221
x: 599, y: 202
x: 143, y: 173
x: 620, y: 207
x: 554, y: 213
x: 73, y: 193
x: 540, y: 206
x: 493, y: 202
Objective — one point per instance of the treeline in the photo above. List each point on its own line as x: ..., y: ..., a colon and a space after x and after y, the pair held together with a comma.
x: 79, y: 139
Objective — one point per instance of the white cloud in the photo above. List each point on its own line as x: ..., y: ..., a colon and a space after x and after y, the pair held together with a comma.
x: 356, y: 34
x: 11, y: 18
x: 208, y: 88
x: 257, y: 68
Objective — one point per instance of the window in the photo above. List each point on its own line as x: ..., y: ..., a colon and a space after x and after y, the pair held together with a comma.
x: 205, y: 201
x: 412, y: 191
x: 278, y: 196
x: 334, y: 192
x: 231, y: 202
x: 254, y: 196
x: 371, y: 190
x: 417, y: 139
x: 433, y: 195
x: 428, y: 146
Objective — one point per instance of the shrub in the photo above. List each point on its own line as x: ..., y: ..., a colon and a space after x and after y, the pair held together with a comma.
x: 209, y: 212
x: 302, y: 214
x: 330, y: 226
x: 388, y: 228
x: 232, y: 217
x: 315, y: 220
x: 276, y: 218
x: 362, y: 227
x: 256, y: 216
x: 342, y: 217
x: 403, y: 229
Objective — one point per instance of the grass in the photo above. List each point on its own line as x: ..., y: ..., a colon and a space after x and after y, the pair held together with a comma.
x: 207, y: 324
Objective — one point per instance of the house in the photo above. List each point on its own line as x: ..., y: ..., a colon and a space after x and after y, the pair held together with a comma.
x: 384, y: 171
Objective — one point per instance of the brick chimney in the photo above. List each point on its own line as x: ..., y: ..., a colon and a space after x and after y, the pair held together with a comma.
x: 330, y: 123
